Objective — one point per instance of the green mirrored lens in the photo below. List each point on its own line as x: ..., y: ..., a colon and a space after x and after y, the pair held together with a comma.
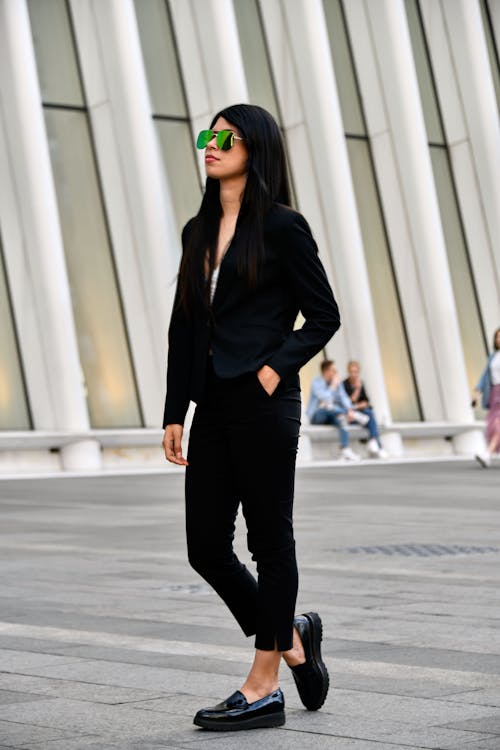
x: 225, y: 139
x: 204, y: 138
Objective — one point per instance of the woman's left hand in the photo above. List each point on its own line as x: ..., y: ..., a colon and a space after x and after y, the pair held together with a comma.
x: 269, y: 379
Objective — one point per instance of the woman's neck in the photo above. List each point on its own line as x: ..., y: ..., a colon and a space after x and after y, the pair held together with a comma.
x: 230, y: 196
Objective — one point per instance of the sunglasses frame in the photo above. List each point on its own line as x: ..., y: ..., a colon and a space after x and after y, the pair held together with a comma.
x: 217, y: 134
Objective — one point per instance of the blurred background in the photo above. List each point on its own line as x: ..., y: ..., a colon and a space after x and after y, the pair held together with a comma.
x: 390, y: 113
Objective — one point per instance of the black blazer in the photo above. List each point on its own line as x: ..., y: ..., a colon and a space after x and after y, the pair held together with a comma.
x: 253, y: 327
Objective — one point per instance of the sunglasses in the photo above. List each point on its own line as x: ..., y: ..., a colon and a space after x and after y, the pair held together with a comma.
x: 224, y: 139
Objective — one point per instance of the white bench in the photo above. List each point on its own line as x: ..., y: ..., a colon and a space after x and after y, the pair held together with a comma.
x: 44, y: 450
x: 320, y: 442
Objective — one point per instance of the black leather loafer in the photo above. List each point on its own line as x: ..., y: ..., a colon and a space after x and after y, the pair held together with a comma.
x: 236, y: 713
x: 311, y: 677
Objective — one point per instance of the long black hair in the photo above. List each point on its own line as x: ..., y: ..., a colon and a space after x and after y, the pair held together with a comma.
x: 267, y: 182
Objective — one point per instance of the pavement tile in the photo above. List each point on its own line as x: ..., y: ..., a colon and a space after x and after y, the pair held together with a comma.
x: 414, y: 688
x: 193, y: 663
x: 425, y: 655
x: 486, y: 744
x: 420, y: 711
x: 18, y: 733
x: 14, y: 696
x: 101, y: 742
x: 411, y: 643
x: 139, y: 676
x: 17, y: 643
x: 59, y: 713
x: 284, y: 739
x: 489, y: 723
x: 39, y: 687
x: 460, y: 679
x: 435, y: 737
x: 22, y: 661
x: 184, y: 704
x: 488, y: 697
x: 376, y: 728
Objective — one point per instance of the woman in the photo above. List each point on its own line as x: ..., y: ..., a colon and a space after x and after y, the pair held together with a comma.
x: 249, y: 264
x: 489, y: 390
x: 355, y: 389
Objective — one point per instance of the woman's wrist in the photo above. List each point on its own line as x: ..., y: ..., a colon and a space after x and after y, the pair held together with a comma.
x: 268, y: 377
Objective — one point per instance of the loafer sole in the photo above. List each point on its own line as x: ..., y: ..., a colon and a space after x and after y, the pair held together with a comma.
x: 276, y: 719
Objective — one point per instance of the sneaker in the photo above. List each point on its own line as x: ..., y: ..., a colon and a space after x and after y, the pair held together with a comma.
x: 484, y: 459
x: 360, y: 418
x: 349, y: 455
x: 375, y: 450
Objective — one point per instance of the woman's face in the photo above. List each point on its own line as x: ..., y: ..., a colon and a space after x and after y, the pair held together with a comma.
x: 353, y: 372
x: 223, y: 165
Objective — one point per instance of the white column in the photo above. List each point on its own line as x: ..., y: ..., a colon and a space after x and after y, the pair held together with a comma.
x: 494, y: 8
x: 146, y: 245
x: 465, y: 168
x: 471, y: 61
x: 307, y: 188
x: 209, y: 50
x: 395, y: 211
x: 320, y: 112
x: 38, y: 232
x: 401, y: 97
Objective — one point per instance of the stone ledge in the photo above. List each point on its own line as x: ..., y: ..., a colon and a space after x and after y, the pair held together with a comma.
x: 53, y: 440
x: 408, y: 430
x: 49, y: 450
x: 148, y: 436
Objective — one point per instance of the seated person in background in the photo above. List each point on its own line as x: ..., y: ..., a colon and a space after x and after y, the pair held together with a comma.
x: 330, y: 404
x: 355, y: 389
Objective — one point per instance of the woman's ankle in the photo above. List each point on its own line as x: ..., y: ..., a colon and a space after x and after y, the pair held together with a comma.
x: 255, y: 690
x: 296, y: 654
x: 263, y: 678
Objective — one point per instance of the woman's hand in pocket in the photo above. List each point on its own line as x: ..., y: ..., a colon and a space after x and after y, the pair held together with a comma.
x: 268, y: 378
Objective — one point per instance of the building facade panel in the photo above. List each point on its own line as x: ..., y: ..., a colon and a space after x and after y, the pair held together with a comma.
x: 136, y: 191
x: 475, y: 80
x: 33, y: 248
x: 14, y: 412
x: 459, y: 262
x: 390, y: 116
x: 390, y: 179
x: 392, y: 335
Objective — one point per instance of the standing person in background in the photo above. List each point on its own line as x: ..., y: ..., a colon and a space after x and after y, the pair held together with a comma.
x: 488, y: 388
x: 249, y: 264
x: 330, y: 404
x: 356, y: 391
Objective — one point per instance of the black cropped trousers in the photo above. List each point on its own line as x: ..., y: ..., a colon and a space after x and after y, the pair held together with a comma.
x: 242, y: 450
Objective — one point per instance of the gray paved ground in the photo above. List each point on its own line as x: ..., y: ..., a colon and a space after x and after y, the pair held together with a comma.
x: 109, y: 640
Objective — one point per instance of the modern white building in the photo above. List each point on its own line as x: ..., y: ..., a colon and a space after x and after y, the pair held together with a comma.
x: 390, y: 111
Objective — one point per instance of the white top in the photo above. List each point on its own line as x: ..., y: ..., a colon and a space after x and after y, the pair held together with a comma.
x: 495, y: 369
x: 213, y: 281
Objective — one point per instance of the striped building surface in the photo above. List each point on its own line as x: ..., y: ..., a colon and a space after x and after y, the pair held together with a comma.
x: 390, y: 112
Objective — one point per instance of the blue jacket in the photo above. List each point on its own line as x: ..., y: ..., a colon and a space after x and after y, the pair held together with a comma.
x: 321, y: 391
x: 484, y: 384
